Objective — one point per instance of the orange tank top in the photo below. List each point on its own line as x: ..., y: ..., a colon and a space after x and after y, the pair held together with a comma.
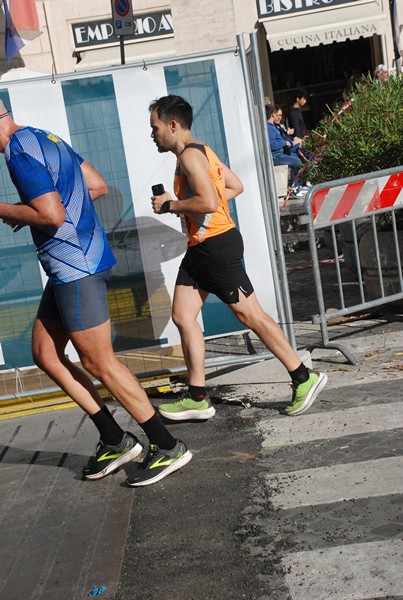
x: 202, y: 226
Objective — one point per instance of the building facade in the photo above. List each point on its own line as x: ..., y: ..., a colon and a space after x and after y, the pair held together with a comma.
x: 314, y: 44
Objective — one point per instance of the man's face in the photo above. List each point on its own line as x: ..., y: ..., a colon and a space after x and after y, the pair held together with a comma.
x: 160, y: 133
x: 278, y: 116
x: 302, y: 101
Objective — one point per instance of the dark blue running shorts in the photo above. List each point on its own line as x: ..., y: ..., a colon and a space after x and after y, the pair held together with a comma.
x: 216, y: 266
x: 79, y: 305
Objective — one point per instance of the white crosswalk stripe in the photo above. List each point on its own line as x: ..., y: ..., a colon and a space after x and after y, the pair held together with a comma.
x: 353, y: 572
x: 330, y: 425
x: 372, y: 568
x: 337, y: 483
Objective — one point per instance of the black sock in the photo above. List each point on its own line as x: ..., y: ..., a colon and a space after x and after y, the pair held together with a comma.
x: 197, y: 392
x: 106, y: 410
x: 110, y: 432
x: 300, y: 375
x: 157, y: 433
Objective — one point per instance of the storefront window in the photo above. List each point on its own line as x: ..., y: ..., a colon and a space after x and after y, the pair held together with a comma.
x: 322, y: 70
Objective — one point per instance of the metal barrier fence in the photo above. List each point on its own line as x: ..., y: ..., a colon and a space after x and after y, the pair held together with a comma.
x: 362, y: 213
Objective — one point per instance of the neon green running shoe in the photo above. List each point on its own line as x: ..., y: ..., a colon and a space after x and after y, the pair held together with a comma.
x: 187, y: 409
x: 159, y: 463
x: 110, y: 458
x: 306, y: 393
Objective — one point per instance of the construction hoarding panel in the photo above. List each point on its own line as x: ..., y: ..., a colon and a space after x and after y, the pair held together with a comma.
x: 104, y: 115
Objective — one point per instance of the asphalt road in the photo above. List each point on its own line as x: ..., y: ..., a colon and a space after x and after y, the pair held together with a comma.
x: 186, y: 533
x: 276, y: 508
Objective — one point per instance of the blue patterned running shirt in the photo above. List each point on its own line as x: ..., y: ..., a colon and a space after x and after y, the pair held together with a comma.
x: 40, y: 162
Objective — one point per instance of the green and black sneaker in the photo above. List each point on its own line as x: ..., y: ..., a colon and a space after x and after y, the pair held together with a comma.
x: 187, y: 409
x: 109, y: 458
x: 158, y: 464
x: 306, y: 393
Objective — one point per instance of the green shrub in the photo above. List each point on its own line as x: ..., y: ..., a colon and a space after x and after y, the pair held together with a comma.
x: 367, y: 136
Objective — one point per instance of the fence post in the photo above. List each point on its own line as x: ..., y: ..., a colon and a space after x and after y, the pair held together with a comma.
x: 267, y: 183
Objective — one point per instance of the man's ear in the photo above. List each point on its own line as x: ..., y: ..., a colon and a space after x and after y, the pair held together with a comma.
x: 173, y: 125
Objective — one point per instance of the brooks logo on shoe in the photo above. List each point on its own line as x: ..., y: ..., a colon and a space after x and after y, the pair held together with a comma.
x: 164, y: 462
x: 108, y: 456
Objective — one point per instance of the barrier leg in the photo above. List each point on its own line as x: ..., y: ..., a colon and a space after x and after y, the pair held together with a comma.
x: 334, y: 346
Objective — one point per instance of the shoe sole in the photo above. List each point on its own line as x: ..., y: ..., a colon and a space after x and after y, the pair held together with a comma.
x: 181, y: 462
x: 127, y: 457
x: 311, y: 397
x: 189, y: 415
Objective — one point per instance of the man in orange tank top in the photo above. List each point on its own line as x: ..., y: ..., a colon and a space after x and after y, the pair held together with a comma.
x: 213, y: 262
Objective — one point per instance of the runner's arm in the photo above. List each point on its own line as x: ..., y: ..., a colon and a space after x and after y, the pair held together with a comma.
x: 41, y: 212
x: 195, y: 166
x: 233, y: 185
x: 94, y: 180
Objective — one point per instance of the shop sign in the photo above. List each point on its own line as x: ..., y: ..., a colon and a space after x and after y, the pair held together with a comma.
x: 276, y: 8
x: 101, y: 31
x: 336, y: 34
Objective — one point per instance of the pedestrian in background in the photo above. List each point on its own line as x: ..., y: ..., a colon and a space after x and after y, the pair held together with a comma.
x: 286, y: 132
x: 300, y: 185
x: 57, y: 188
x: 295, y: 119
x: 284, y: 151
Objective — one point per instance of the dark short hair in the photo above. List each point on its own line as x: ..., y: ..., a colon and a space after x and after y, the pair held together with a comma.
x: 301, y: 93
x: 269, y: 110
x: 173, y: 107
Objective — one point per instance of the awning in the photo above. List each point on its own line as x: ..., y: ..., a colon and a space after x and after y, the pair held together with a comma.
x: 286, y: 33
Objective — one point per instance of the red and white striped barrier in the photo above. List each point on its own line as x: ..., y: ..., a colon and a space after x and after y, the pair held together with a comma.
x: 357, y: 199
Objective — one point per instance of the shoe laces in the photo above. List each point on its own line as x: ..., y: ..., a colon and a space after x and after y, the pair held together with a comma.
x: 294, y: 386
x: 152, y: 451
x: 183, y: 396
x: 98, y: 448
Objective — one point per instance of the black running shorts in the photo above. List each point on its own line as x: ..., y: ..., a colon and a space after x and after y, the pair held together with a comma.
x: 79, y: 305
x: 216, y: 266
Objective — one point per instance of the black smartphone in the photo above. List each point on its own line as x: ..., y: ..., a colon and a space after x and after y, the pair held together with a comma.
x: 158, y: 189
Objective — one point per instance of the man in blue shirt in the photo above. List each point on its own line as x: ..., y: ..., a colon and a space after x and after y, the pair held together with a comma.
x: 57, y: 188
x: 281, y: 149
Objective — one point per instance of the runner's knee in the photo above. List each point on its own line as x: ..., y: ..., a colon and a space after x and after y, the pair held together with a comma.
x: 92, y: 365
x: 182, y: 319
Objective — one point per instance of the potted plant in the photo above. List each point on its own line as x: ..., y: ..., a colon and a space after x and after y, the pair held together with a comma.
x: 364, y: 134
x: 361, y: 135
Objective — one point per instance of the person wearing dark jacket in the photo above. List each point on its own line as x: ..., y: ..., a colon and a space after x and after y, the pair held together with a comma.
x: 295, y: 118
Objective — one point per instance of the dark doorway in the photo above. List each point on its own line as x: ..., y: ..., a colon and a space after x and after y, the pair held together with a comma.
x: 322, y: 70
